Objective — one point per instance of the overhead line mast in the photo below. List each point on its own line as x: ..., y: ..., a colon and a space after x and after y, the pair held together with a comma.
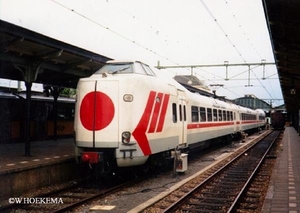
x: 226, y: 64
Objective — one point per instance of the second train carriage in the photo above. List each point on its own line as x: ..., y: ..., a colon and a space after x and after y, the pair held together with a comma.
x: 125, y: 114
x: 278, y: 119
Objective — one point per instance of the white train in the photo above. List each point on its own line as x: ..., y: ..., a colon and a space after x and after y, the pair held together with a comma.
x: 126, y: 114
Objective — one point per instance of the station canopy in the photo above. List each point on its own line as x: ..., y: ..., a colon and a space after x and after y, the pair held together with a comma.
x: 51, y: 62
x: 283, y: 19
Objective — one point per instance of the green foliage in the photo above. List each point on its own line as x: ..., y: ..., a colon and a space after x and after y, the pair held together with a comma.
x: 67, y: 92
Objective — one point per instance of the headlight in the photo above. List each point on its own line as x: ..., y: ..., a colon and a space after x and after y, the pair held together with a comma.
x: 128, y: 98
x: 126, y: 137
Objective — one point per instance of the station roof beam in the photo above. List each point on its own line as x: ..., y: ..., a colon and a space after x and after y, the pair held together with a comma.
x: 56, y: 63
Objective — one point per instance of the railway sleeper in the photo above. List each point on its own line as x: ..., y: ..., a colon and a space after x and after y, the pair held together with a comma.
x: 250, y: 206
x: 219, y: 188
x: 212, y: 199
x: 205, y: 205
x: 227, y: 187
x: 224, y: 182
x: 213, y: 194
x: 250, y: 200
x: 253, y: 195
x: 236, y: 176
x: 201, y: 210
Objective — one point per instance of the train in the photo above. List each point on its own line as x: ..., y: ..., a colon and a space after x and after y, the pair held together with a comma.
x: 126, y: 116
x: 278, y: 119
x: 42, y: 120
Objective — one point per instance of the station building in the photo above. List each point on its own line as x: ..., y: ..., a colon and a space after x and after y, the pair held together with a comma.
x: 251, y: 101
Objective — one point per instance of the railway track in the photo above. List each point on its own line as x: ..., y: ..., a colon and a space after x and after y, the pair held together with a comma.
x: 223, y: 187
x: 67, y: 199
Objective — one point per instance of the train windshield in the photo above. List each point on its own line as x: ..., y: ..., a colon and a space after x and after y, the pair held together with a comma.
x: 124, y: 68
x: 116, y: 68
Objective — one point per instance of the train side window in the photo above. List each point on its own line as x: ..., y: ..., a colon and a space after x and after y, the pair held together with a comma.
x: 228, y: 116
x: 202, y: 114
x: 209, y: 114
x: 174, y: 113
x: 195, y: 114
x: 231, y: 116
x: 184, y: 113
x: 139, y: 69
x: 224, y: 115
x: 220, y: 115
x: 215, y: 114
x: 180, y: 112
x: 148, y: 69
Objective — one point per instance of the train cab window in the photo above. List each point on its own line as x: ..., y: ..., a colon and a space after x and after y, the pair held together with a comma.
x: 117, y: 68
x: 144, y: 69
x: 215, y: 114
x: 174, y: 113
x: 209, y: 114
x: 220, y: 115
x: 224, y: 115
x: 195, y: 114
x: 147, y: 69
x: 202, y: 114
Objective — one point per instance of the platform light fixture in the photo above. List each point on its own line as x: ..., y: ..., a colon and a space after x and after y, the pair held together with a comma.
x: 293, y: 91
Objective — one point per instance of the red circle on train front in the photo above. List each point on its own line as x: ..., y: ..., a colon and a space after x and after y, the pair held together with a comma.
x: 96, y: 111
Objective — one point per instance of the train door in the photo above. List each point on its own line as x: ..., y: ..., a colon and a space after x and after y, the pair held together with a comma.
x: 182, y: 117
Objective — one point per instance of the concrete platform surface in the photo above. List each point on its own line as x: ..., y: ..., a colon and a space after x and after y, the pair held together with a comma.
x: 283, y: 195
x: 12, y: 156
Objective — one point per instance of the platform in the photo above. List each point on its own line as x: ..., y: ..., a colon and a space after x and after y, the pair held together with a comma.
x: 12, y: 155
x: 284, y: 189
x: 51, y: 162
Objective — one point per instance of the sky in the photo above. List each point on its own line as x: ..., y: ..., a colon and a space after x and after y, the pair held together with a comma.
x: 173, y: 32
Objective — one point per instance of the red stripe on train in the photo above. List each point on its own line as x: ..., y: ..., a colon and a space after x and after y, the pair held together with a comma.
x: 140, y: 131
x: 209, y: 125
x: 163, y: 113
x: 155, y: 114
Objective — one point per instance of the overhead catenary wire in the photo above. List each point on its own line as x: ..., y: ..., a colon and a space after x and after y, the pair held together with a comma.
x: 243, y: 31
x: 141, y: 45
x: 114, y: 32
x: 222, y: 29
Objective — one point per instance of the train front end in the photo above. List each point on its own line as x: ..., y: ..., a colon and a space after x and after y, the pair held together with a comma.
x: 105, y: 116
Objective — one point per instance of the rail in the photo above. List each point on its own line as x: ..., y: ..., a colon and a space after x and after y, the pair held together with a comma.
x: 222, y: 190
